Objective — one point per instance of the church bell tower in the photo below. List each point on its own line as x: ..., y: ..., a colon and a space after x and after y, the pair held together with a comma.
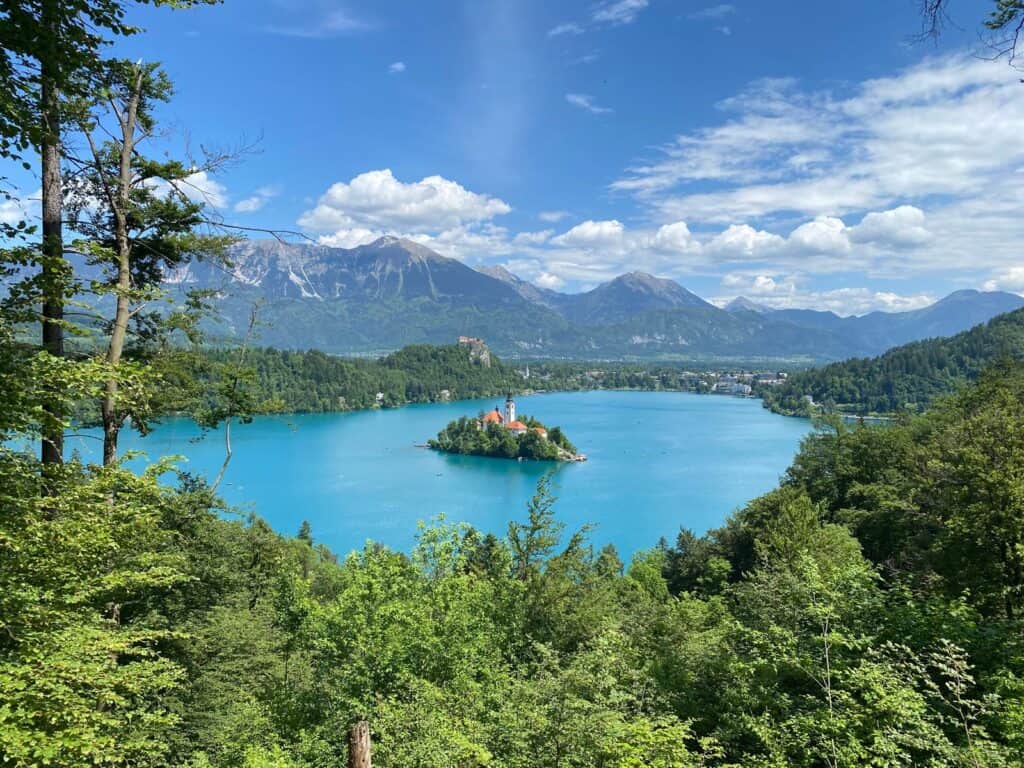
x: 510, y: 409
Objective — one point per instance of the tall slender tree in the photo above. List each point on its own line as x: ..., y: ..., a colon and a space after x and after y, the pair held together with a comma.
x: 52, y: 50
x: 140, y: 218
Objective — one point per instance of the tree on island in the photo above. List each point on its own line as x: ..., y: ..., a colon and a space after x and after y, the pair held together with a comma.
x: 475, y: 437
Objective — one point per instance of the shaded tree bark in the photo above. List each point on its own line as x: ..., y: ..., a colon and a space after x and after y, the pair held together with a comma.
x: 52, y: 451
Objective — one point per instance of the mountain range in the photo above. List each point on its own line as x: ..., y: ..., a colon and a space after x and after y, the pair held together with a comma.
x: 394, y: 292
x: 908, y: 377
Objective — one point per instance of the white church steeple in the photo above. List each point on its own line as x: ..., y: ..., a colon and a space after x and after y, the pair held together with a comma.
x: 510, y: 409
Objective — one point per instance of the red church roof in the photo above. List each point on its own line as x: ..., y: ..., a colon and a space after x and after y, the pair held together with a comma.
x: 494, y: 417
x: 516, y: 425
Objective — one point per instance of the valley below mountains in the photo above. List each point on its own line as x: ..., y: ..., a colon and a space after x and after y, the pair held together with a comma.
x: 394, y: 292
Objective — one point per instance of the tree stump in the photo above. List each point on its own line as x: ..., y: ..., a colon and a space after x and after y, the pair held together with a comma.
x: 359, y: 745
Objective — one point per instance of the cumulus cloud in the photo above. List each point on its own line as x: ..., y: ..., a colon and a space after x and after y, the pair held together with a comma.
x: 552, y: 217
x: 593, y: 234
x: 396, y: 67
x: 200, y: 186
x: 350, y: 238
x: 256, y: 201
x: 826, y: 234
x: 549, y: 281
x: 1011, y: 279
x: 786, y: 292
x: 902, y: 226
x: 826, y: 243
x: 742, y: 241
x: 585, y: 101
x: 759, y: 285
x: 674, y: 238
x: 376, y: 200
x: 822, y: 245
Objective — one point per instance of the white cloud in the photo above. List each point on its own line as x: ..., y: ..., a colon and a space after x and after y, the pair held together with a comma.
x: 569, y: 28
x: 584, y: 101
x: 742, y: 241
x: 334, y: 23
x: 24, y: 208
x: 902, y: 226
x: 826, y: 234
x: 547, y: 280
x: 759, y: 285
x: 619, y: 11
x: 785, y: 292
x: 200, y: 187
x: 947, y: 127
x: 396, y: 67
x: 256, y: 201
x: 674, y: 238
x: 713, y: 12
x: 593, y: 234
x: 942, y: 141
x: 350, y: 238
x: 376, y: 200
x: 1011, y: 279
x: 552, y: 216
x: 826, y: 243
x: 250, y: 204
x: 533, y: 238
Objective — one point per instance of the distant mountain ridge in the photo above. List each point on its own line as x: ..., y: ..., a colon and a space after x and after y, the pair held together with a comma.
x: 908, y: 377
x: 394, y: 292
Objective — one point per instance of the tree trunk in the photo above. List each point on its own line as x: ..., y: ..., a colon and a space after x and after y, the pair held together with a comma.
x: 108, y: 408
x: 359, y: 745
x: 53, y: 240
x: 120, y: 204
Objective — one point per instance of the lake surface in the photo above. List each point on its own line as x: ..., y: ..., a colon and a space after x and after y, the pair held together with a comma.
x: 657, y: 461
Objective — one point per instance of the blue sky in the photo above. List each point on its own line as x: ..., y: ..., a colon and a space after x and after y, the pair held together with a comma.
x: 798, y: 152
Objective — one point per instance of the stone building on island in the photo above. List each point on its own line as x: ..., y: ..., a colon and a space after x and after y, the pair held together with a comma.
x: 508, y: 419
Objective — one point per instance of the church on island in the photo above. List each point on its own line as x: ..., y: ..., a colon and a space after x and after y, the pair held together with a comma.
x: 508, y: 419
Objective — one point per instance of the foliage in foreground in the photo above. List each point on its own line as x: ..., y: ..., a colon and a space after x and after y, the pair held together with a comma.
x: 867, y: 612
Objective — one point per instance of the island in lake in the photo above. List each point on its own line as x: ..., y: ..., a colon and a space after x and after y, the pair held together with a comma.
x: 502, y: 435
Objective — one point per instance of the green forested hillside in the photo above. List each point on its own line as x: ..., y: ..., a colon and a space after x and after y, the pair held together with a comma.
x: 910, y: 377
x: 315, y: 382
x: 867, y: 612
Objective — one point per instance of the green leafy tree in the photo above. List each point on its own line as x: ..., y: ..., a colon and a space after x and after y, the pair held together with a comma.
x: 139, y: 222
x: 51, y: 52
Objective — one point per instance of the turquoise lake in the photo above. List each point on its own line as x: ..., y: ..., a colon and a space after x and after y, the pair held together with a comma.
x: 657, y: 461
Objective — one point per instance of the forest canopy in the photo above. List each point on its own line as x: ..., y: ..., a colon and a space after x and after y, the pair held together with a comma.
x: 907, y: 378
